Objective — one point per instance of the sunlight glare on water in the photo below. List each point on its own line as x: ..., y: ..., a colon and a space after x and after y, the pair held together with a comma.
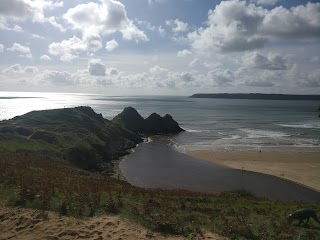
x: 18, y: 103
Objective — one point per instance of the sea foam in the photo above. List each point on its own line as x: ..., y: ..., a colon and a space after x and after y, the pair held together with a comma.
x: 258, y: 133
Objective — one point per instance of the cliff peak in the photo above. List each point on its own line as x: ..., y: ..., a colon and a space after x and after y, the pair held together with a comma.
x: 154, y: 124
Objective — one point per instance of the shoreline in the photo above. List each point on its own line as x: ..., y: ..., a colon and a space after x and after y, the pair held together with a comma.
x: 302, y: 168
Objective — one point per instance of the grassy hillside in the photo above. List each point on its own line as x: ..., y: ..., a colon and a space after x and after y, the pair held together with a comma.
x: 77, y: 135
x: 34, y: 181
x: 36, y: 150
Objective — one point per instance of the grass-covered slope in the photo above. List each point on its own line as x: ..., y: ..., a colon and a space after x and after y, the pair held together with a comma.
x: 36, y: 182
x: 77, y: 135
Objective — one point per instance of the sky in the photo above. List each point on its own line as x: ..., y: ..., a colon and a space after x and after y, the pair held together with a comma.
x: 160, y: 47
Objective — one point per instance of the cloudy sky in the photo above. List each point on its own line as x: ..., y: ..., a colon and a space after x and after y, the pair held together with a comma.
x: 143, y: 47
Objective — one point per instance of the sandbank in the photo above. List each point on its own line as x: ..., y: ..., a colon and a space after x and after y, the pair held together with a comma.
x: 299, y: 167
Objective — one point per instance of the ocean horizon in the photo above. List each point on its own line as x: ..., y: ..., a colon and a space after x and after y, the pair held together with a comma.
x: 210, y: 124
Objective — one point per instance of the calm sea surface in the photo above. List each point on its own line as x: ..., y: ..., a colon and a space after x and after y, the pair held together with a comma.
x: 214, y: 124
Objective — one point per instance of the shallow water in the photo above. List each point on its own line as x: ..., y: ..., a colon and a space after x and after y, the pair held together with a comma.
x: 158, y: 165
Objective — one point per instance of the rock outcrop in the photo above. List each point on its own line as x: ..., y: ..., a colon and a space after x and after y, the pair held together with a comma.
x: 154, y: 124
x: 131, y: 119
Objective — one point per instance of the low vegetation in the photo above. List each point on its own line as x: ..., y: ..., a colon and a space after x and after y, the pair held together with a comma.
x: 35, y: 181
x: 37, y: 172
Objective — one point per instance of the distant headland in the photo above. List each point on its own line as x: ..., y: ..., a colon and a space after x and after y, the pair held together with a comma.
x: 262, y: 96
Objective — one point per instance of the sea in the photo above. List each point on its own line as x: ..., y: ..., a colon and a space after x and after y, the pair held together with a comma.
x: 210, y: 124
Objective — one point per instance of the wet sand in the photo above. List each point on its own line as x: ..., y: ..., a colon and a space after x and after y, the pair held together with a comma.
x: 299, y: 167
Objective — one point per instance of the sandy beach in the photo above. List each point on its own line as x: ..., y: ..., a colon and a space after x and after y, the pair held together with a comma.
x: 27, y: 224
x: 300, y: 167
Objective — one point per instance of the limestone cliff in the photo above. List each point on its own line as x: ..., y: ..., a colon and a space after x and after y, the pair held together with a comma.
x: 154, y: 124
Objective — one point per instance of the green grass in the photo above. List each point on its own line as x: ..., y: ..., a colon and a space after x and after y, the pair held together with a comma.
x: 34, y: 181
x: 77, y: 135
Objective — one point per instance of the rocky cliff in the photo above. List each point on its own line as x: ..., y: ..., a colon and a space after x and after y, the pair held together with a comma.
x: 154, y: 124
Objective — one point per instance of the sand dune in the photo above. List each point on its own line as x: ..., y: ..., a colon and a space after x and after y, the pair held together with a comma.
x: 26, y: 224
x: 299, y: 167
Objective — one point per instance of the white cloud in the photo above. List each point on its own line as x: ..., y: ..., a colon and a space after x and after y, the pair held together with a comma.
x: 157, y: 77
x: 178, y: 78
x: 70, y: 49
x: 259, y: 83
x: 112, y: 71
x: 237, y: 26
x: 30, y: 70
x: 17, y: 69
x: 57, y: 78
x: 104, y: 82
x: 310, y: 80
x: 265, y: 2
x: 315, y: 59
x: 151, y: 27
x: 181, y: 40
x: 9, y: 27
x: 135, y: 80
x: 20, y: 10
x: 261, y: 79
x: 221, y: 77
x: 271, y: 62
x: 36, y: 36
x: 161, y: 31
x: 24, y: 50
x: 111, y: 45
x: 150, y: 2
x: 184, y: 53
x: 300, y: 22
x: 1, y: 48
x: 93, y: 42
x: 196, y: 63
x: 16, y: 47
x: 177, y: 25
x: 103, y: 18
x: 157, y: 70
x: 204, y: 64
x: 45, y: 58
x: 305, y: 79
x: 187, y: 77
x: 96, y: 67
x: 232, y: 26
